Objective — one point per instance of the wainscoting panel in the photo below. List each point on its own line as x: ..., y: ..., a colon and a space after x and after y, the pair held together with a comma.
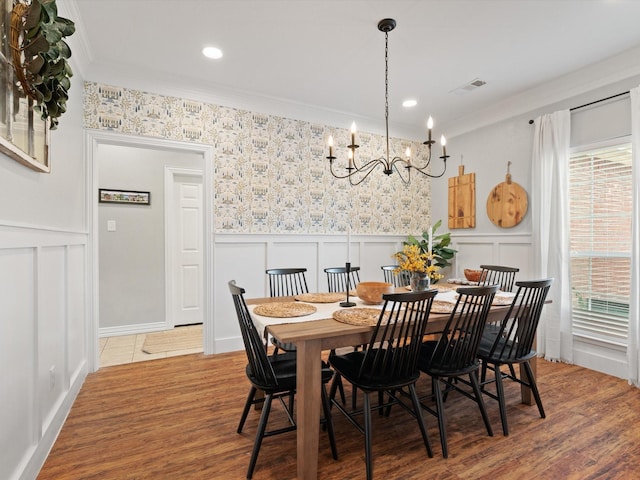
x: 43, y: 293
x: 18, y: 356
x: 476, y: 250
x: 52, y: 331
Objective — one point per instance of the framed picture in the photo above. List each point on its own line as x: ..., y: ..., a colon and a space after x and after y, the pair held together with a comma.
x: 124, y: 196
x: 24, y: 136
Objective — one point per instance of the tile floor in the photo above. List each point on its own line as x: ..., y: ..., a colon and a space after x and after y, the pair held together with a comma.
x: 128, y: 349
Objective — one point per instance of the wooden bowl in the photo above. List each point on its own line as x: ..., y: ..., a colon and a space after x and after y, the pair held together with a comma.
x: 371, y: 292
x: 472, y: 275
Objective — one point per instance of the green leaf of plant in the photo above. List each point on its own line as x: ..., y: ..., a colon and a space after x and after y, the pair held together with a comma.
x: 35, y: 65
x: 32, y: 15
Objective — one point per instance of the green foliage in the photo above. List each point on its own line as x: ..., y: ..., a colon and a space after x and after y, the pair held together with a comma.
x: 440, y: 245
x: 46, y: 55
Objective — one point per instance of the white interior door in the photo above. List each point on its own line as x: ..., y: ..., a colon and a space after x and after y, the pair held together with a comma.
x: 186, y: 249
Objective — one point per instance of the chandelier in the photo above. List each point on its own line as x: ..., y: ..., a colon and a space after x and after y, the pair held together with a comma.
x: 358, y: 173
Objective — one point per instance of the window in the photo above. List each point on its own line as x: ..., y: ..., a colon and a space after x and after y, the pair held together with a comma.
x: 24, y: 136
x: 600, y: 191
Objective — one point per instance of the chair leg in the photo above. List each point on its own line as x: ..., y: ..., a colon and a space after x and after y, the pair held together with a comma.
x: 247, y: 406
x: 483, y: 374
x: 440, y: 411
x: 329, y: 422
x: 534, y: 388
x: 501, y: 401
x: 262, y: 426
x: 476, y: 389
x: 418, y: 410
x: 336, y: 384
x: 367, y: 434
x: 291, y: 401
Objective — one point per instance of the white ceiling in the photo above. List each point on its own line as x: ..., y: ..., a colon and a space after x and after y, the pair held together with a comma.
x: 327, y: 56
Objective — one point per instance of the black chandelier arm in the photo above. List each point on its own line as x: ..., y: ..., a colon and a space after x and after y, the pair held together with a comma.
x: 427, y: 174
x: 398, y: 164
x: 364, y: 170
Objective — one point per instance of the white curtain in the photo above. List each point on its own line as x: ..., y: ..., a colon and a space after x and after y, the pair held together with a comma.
x: 550, y: 224
x: 633, y: 348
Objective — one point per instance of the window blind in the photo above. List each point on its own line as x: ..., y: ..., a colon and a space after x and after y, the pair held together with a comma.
x: 600, y: 191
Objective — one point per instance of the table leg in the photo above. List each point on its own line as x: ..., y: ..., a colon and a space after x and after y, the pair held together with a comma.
x: 308, y: 404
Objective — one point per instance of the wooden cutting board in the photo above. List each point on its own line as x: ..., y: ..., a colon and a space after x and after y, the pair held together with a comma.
x: 462, y: 200
x: 507, y: 203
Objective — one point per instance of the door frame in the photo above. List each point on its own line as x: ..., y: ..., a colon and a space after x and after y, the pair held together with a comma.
x: 170, y: 174
x: 93, y: 140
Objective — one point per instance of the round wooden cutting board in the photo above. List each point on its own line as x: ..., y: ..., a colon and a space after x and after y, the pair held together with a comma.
x: 507, y: 204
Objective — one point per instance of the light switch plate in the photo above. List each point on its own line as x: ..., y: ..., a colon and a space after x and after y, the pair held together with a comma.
x: 111, y: 225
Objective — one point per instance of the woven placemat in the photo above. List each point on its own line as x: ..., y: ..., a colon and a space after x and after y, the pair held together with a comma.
x: 320, y: 297
x: 284, y: 309
x: 440, y: 306
x: 358, y: 316
x: 499, y: 299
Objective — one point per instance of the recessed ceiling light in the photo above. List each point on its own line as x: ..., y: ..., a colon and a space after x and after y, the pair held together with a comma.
x: 212, y: 52
x: 409, y: 103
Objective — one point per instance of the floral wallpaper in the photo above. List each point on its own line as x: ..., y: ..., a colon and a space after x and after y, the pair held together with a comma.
x: 271, y: 174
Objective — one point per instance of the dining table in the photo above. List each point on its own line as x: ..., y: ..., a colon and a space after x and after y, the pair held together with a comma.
x: 316, y: 331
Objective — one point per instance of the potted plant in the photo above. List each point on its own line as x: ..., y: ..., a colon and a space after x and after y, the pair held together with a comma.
x: 440, y: 253
x: 419, y: 264
x: 39, y: 56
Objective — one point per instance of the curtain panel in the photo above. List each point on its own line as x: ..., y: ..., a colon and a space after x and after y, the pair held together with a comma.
x: 550, y: 218
x: 633, y: 346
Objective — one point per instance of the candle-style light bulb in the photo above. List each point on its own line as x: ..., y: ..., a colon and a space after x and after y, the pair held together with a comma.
x: 353, y: 133
x: 430, y: 126
x: 408, y: 155
x: 330, y: 145
x: 443, y: 141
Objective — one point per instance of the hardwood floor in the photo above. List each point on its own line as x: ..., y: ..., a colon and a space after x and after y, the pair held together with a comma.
x: 176, y: 418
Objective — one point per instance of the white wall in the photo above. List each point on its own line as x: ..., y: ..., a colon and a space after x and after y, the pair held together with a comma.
x: 44, y: 295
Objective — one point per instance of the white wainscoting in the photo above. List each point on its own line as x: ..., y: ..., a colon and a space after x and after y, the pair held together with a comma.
x: 43, y: 340
x: 244, y: 258
x: 513, y: 250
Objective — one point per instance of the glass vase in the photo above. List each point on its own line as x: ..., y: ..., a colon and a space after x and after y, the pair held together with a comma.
x: 419, y: 281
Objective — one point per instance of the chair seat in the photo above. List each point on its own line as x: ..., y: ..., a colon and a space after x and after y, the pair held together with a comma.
x: 501, y: 345
x: 430, y: 364
x: 349, y: 366
x: 284, y: 367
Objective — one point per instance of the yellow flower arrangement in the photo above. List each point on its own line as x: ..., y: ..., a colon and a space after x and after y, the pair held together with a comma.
x: 412, y: 259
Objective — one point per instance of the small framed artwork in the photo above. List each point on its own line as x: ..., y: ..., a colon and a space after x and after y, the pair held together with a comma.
x: 124, y: 196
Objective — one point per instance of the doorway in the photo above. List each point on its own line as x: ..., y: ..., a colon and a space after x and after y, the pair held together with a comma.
x: 99, y: 147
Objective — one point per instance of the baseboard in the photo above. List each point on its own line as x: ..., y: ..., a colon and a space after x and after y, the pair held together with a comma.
x: 132, y: 329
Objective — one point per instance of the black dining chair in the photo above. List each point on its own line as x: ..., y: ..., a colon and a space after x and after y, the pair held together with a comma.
x: 510, y: 341
x: 388, y: 362
x: 400, y: 279
x: 455, y: 354
x: 499, y: 275
x: 339, y: 281
x: 275, y: 375
x: 285, y: 282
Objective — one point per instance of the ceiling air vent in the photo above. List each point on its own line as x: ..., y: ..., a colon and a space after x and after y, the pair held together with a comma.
x: 469, y: 87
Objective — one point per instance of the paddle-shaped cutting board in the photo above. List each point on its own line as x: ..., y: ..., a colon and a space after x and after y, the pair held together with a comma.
x: 462, y: 200
x: 507, y: 203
